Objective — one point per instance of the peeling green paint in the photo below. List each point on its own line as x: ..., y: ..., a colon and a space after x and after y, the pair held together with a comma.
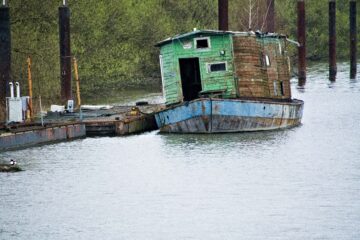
x: 220, y: 50
x: 210, y: 81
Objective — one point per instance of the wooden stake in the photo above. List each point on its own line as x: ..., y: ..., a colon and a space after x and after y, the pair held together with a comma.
x: 302, y: 40
x: 30, y: 87
x: 353, y: 40
x: 332, y: 40
x: 270, y: 16
x: 77, y: 83
x: 223, y: 15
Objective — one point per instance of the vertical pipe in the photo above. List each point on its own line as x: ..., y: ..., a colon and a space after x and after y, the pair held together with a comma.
x: 301, y: 35
x: 65, y: 53
x: 332, y: 40
x: 30, y: 86
x: 76, y: 71
x: 223, y: 15
x: 11, y: 87
x: 270, y: 16
x: 5, y: 57
x: 17, y: 89
x: 353, y: 39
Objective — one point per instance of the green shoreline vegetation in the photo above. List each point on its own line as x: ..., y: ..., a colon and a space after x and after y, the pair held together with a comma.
x: 114, y: 40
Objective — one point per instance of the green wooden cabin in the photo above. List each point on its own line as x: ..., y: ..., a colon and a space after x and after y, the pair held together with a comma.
x: 224, y: 64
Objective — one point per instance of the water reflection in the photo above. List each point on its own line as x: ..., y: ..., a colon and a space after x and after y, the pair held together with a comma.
x: 224, y: 141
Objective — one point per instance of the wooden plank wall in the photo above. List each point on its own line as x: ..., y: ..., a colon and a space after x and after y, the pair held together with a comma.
x: 255, y: 79
x: 172, y: 86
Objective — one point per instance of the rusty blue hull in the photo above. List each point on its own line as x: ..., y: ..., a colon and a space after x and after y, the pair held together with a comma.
x: 46, y: 135
x: 229, y: 115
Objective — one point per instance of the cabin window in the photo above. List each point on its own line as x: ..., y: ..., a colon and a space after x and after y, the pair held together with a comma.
x: 202, y: 43
x: 265, y: 60
x: 217, y: 67
x: 282, y: 88
x: 275, y: 88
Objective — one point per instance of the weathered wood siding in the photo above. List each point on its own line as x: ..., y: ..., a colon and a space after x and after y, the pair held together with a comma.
x: 255, y: 78
x: 211, y: 81
x: 171, y: 84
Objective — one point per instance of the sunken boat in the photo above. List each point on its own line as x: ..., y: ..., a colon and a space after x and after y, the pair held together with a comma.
x: 222, y: 81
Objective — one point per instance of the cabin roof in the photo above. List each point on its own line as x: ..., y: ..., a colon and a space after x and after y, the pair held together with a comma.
x: 216, y: 32
x: 189, y: 34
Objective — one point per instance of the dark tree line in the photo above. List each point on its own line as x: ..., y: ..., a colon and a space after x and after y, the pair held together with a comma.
x: 113, y: 40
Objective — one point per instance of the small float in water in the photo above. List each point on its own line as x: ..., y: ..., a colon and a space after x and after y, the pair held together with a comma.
x: 222, y: 81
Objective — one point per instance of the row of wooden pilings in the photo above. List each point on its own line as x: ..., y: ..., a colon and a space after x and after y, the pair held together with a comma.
x: 332, y: 40
x: 5, y: 54
x: 301, y: 34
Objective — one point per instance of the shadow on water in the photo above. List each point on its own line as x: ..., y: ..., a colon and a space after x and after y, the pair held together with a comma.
x: 217, y: 148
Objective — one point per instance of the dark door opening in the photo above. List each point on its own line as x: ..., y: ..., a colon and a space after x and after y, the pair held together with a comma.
x: 190, y: 78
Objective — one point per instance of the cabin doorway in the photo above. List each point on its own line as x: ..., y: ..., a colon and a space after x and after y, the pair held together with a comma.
x: 190, y: 78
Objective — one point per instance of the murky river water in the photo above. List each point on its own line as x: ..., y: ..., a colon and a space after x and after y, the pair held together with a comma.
x: 302, y: 183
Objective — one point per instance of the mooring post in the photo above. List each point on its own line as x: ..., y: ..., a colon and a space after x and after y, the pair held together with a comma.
x: 301, y: 35
x: 65, y: 52
x: 270, y: 16
x: 353, y: 40
x: 223, y: 15
x: 5, y: 57
x: 332, y: 40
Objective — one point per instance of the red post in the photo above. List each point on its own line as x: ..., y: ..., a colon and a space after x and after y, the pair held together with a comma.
x: 223, y: 15
x: 301, y: 35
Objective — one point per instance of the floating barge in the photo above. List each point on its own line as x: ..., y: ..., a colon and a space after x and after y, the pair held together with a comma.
x: 220, y: 81
x: 28, y: 136
x: 117, y: 121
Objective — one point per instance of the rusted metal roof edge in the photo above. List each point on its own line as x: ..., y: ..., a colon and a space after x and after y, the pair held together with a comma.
x: 216, y: 32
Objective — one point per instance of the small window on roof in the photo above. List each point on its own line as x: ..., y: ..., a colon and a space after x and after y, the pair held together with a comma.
x: 216, y: 67
x: 202, y: 43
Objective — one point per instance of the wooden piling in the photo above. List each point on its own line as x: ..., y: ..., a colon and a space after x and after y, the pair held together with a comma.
x: 332, y: 40
x: 301, y: 35
x: 270, y: 16
x: 353, y: 40
x: 223, y: 15
x: 5, y: 57
x: 65, y: 53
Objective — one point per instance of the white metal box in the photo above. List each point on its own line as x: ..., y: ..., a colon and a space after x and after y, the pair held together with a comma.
x: 15, y: 109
